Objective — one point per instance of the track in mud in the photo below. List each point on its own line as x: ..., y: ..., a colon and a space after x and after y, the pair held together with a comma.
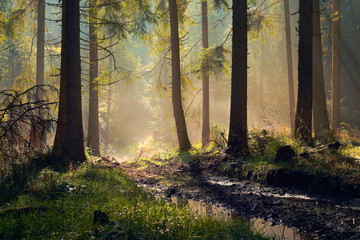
x: 321, y: 217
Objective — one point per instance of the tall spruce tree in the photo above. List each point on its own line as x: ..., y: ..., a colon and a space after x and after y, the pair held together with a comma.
x: 238, y: 142
x: 335, y: 113
x: 72, y: 146
x: 180, y: 122
x: 93, y: 138
x: 320, y: 114
x: 303, y: 120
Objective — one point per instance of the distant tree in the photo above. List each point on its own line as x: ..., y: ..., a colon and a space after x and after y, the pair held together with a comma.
x: 180, y: 122
x: 93, y: 138
x: 237, y: 142
x: 37, y: 138
x: 289, y: 64
x: 320, y: 114
x: 205, y: 77
x: 72, y: 145
x: 335, y: 113
x: 304, y: 104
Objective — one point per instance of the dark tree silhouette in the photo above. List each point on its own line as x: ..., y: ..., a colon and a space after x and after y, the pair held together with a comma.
x: 320, y: 114
x: 72, y: 146
x: 180, y: 122
x: 237, y: 142
x: 335, y: 113
x: 303, y: 118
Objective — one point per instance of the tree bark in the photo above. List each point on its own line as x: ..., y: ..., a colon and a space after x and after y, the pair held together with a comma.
x: 320, y: 114
x: 180, y: 122
x: 290, y: 65
x: 335, y: 113
x: 237, y: 142
x: 72, y: 148
x: 37, y: 133
x: 303, y: 120
x: 205, y: 77
x: 61, y: 120
x: 93, y: 138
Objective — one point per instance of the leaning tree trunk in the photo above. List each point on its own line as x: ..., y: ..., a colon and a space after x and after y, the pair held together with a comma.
x: 180, y: 122
x: 320, y: 114
x: 38, y: 131
x: 304, y: 105
x: 93, y: 138
x: 205, y: 77
x: 72, y: 148
x: 335, y: 113
x: 237, y: 142
x: 290, y: 65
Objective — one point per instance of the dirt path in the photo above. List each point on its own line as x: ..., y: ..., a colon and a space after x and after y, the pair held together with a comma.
x: 321, y: 216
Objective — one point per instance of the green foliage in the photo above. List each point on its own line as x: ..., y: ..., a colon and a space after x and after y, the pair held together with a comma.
x: 212, y: 60
x: 134, y: 214
x: 218, y: 137
x: 220, y: 4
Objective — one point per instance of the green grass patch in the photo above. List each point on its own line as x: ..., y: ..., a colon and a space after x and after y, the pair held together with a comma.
x: 70, y: 200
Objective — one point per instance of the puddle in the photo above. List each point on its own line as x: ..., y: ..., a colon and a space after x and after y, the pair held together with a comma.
x: 242, y: 187
x: 266, y: 228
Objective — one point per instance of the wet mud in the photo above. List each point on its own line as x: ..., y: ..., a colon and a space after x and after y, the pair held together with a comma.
x: 312, y: 215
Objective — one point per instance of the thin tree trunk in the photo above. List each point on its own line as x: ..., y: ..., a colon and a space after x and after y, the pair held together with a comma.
x: 180, y: 122
x: 289, y: 65
x: 108, y: 112
x: 237, y: 142
x: 320, y: 114
x: 261, y: 84
x: 304, y: 104
x: 37, y: 131
x: 72, y: 149
x: 205, y: 77
x: 93, y: 126
x: 335, y: 113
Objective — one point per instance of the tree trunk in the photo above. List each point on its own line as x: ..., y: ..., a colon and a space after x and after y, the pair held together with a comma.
x: 205, y: 77
x: 237, y: 142
x: 93, y: 126
x: 261, y: 83
x: 320, y: 115
x: 61, y: 120
x: 335, y: 113
x: 289, y: 65
x: 108, y: 111
x: 180, y: 122
x: 72, y: 148
x: 37, y: 131
x: 304, y: 104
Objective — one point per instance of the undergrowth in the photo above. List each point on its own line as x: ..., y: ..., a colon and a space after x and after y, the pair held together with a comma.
x: 344, y: 163
x: 61, y: 206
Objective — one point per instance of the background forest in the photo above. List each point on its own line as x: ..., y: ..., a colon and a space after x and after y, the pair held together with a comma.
x: 116, y: 115
x: 133, y: 64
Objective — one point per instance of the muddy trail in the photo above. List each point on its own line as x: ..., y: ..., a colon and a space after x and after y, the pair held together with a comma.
x: 315, y: 216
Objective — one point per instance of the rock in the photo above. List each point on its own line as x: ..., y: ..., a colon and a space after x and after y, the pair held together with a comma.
x: 100, y: 218
x: 170, y: 192
x: 334, y: 146
x: 285, y: 154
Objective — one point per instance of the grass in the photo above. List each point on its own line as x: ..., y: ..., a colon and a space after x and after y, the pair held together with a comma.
x: 71, y: 199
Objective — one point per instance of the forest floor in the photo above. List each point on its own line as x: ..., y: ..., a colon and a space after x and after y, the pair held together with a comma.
x: 324, y: 206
